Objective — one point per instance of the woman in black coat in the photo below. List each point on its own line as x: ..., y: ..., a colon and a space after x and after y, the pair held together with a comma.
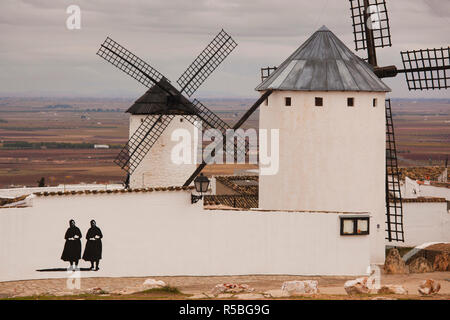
x: 93, y: 250
x: 72, y: 247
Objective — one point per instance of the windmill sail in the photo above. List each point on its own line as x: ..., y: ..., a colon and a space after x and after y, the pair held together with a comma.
x: 376, y: 19
x: 394, y: 207
x: 427, y: 69
x: 141, y: 141
x: 129, y: 63
x: 206, y: 62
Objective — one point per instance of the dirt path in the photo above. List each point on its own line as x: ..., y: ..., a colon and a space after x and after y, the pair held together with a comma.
x: 329, y: 286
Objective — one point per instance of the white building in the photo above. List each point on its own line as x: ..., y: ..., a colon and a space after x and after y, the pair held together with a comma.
x: 329, y: 107
x: 157, y: 167
x: 426, y: 212
x: 414, y: 189
x: 425, y: 220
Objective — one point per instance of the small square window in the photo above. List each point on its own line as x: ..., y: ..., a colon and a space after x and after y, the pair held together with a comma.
x: 354, y: 226
x: 319, y: 102
x: 350, y: 102
x: 266, y: 102
x: 375, y: 102
x: 288, y: 101
x: 362, y: 226
x: 348, y: 226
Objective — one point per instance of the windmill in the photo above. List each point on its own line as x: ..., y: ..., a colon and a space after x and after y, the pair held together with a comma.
x: 152, y: 127
x: 423, y: 69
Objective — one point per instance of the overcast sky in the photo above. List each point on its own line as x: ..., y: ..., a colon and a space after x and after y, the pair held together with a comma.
x: 39, y: 56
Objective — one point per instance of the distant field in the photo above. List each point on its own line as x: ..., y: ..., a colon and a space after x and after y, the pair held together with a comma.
x: 422, y: 129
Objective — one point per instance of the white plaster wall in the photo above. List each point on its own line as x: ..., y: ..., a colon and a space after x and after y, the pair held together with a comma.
x: 424, y: 222
x: 332, y: 158
x: 157, y: 168
x: 162, y: 233
x: 412, y: 189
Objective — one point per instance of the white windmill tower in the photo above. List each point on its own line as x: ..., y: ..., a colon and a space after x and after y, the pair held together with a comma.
x: 329, y: 108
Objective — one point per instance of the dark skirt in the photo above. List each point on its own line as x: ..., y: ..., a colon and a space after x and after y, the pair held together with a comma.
x: 93, y: 250
x: 72, y: 250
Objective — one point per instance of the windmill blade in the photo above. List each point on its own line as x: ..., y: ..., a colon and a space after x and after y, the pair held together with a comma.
x: 129, y: 63
x: 244, y: 118
x: 141, y: 141
x: 206, y: 62
x: 266, y: 72
x: 394, y: 207
x: 210, y: 118
x: 211, y: 121
x: 427, y: 69
x: 371, y: 29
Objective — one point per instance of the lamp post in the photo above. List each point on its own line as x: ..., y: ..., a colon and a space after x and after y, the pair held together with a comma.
x: 201, y: 184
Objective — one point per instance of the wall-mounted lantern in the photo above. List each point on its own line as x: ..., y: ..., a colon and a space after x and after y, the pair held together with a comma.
x: 201, y: 184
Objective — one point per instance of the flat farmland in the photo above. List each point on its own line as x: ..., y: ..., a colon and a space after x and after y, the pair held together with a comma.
x: 422, y: 130
x: 54, y: 138
x: 74, y: 122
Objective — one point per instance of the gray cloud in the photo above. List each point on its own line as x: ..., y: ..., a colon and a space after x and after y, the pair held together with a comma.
x: 39, y: 56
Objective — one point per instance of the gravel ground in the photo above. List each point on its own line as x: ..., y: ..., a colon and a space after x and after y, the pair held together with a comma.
x: 328, y: 286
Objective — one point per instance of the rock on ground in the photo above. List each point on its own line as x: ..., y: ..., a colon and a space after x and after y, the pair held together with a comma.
x: 358, y: 286
x: 442, y: 262
x: 300, y: 287
x: 152, y: 283
x: 231, y: 288
x: 394, y: 263
x: 420, y: 265
x: 146, y: 285
x: 429, y: 287
x: 96, y: 290
x: 392, y: 289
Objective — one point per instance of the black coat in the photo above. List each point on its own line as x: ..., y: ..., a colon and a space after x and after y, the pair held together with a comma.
x: 93, y: 250
x: 72, y: 248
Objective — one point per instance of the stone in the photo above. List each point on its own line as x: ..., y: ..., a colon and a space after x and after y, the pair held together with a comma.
x: 231, y: 288
x: 420, y: 265
x: 300, y: 287
x: 249, y: 296
x: 429, y: 287
x: 392, y: 289
x: 152, y: 283
x: 358, y: 286
x: 97, y: 290
x: 442, y: 262
x: 276, y: 294
x: 394, y: 263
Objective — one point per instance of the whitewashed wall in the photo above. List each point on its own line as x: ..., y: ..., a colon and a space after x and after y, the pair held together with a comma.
x: 411, y: 189
x: 332, y: 158
x: 157, y: 168
x: 424, y: 222
x: 162, y: 233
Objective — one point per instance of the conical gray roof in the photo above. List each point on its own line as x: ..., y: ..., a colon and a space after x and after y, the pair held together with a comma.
x: 157, y: 101
x: 324, y: 63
